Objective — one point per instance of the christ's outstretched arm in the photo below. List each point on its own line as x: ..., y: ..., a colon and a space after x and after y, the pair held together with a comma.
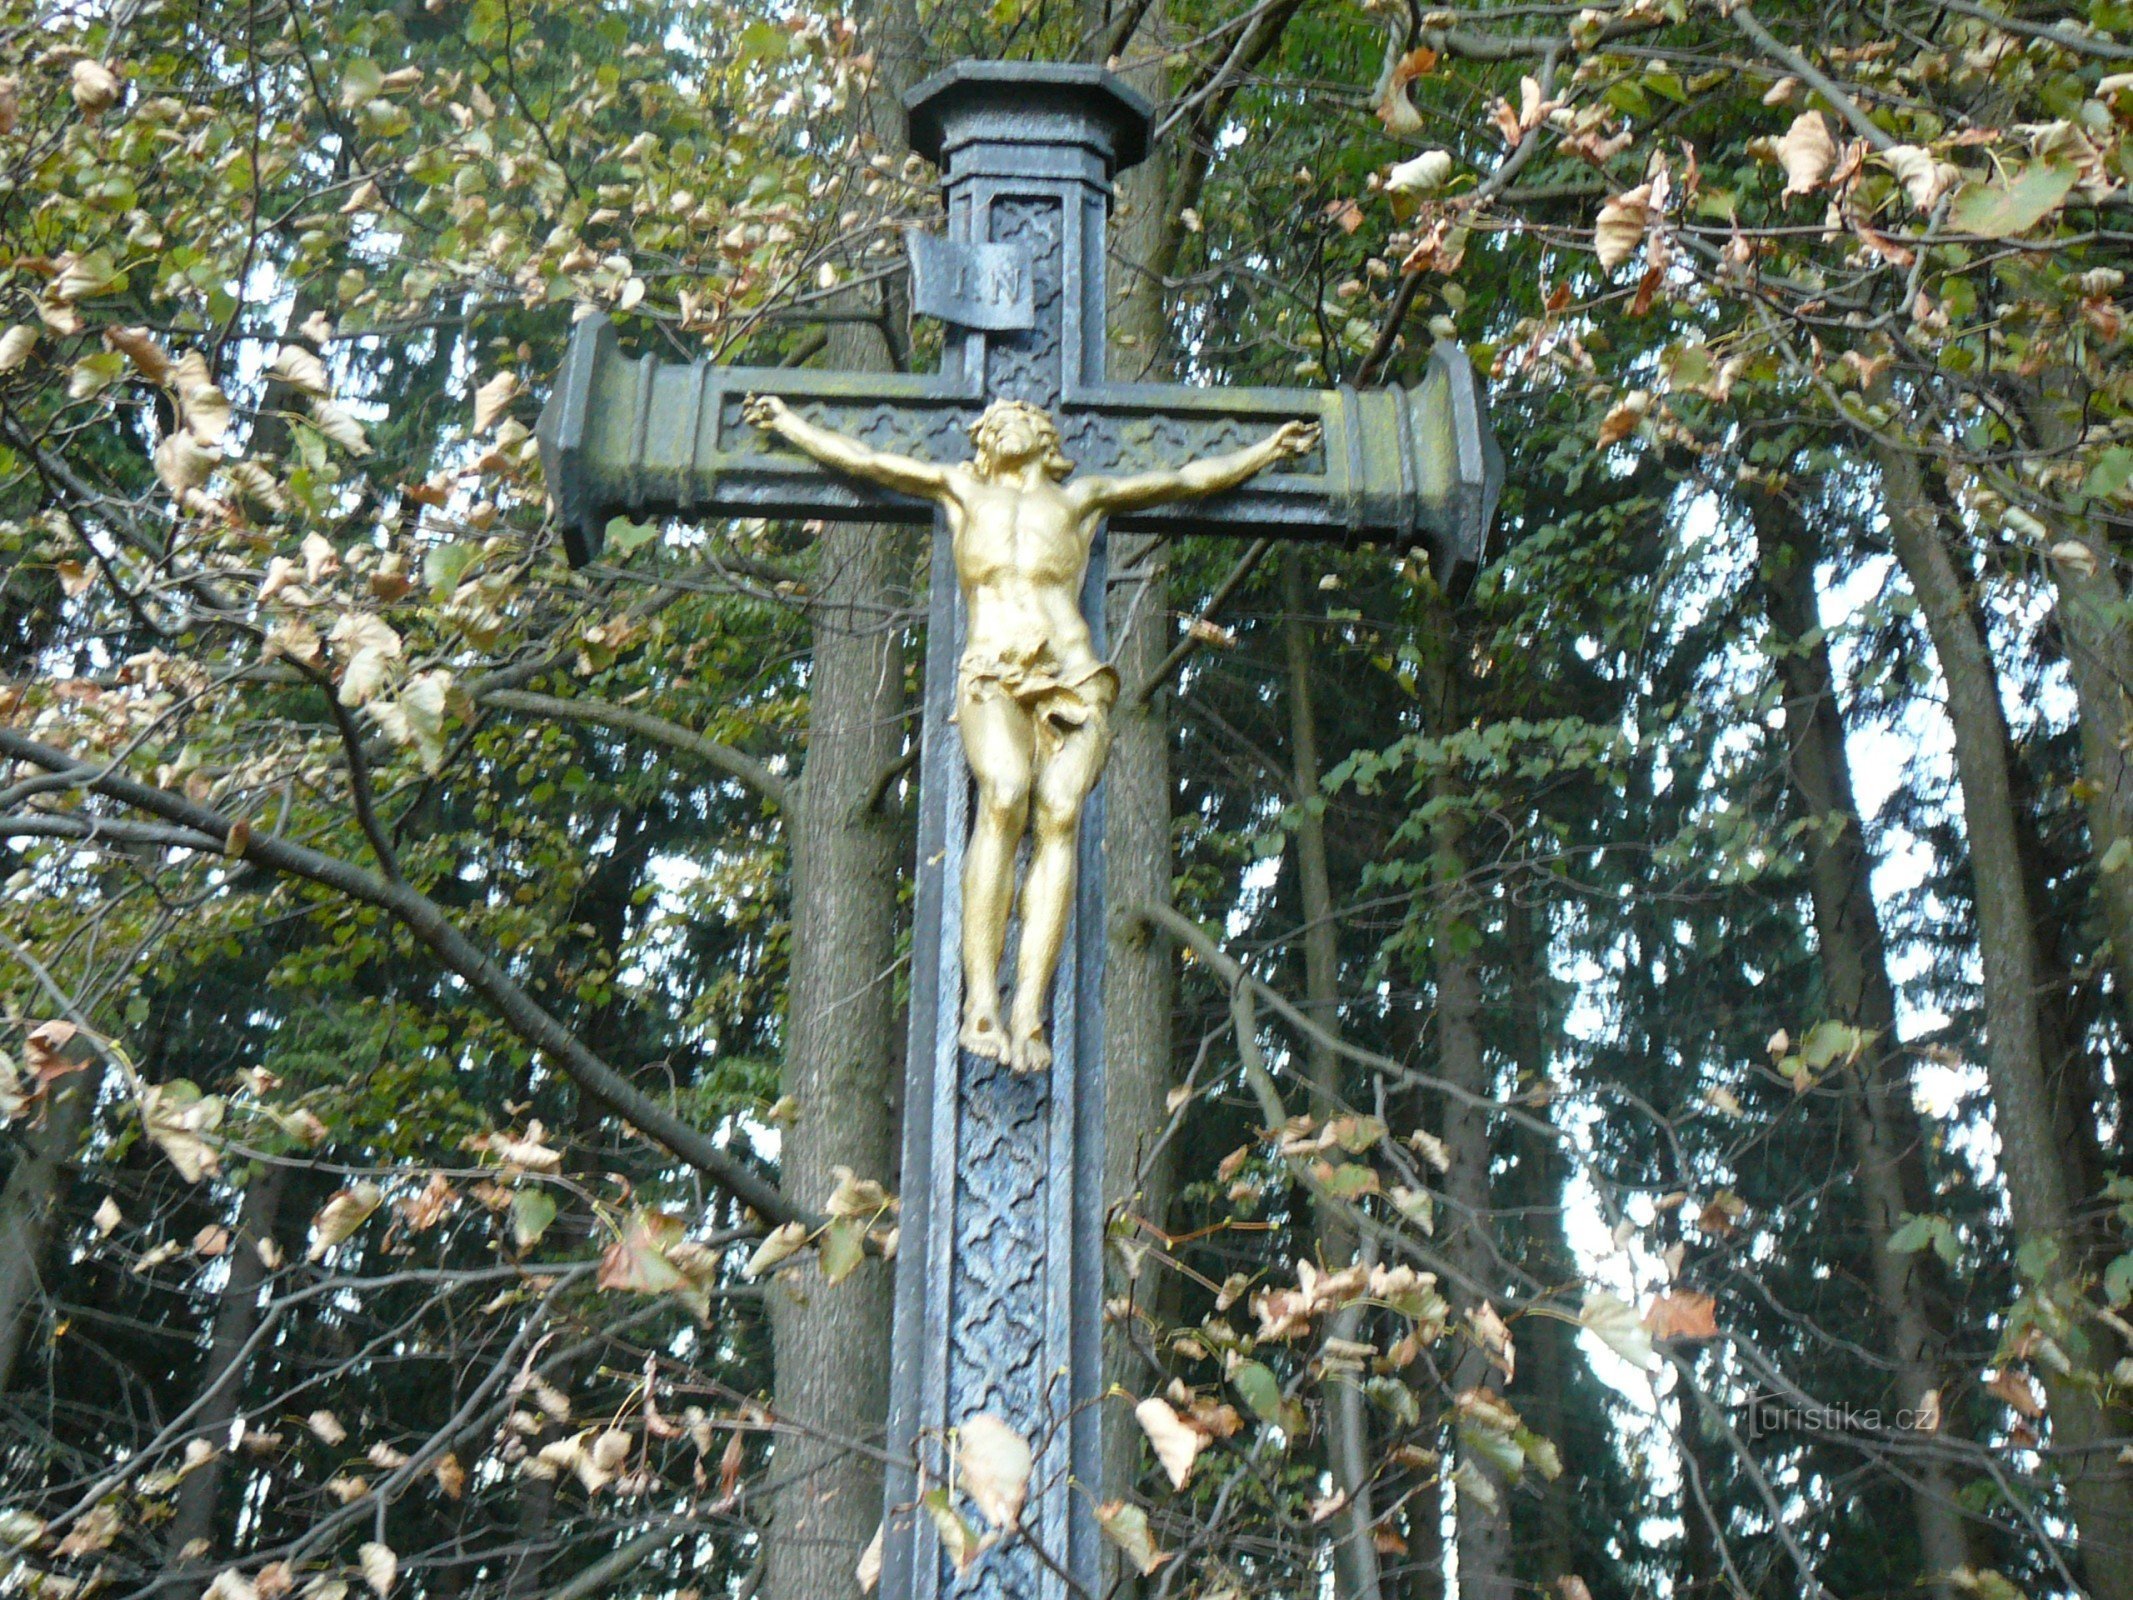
x: 842, y: 453
x: 1196, y: 478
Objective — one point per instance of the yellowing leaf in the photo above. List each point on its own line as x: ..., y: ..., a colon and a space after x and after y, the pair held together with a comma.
x: 868, y: 1571
x: 862, y: 1198
x: 301, y: 370
x: 367, y: 645
x: 995, y: 1464
x: 139, y: 346
x: 493, y: 398
x: 16, y: 345
x: 339, y: 426
x: 637, y: 1261
x: 94, y: 86
x: 183, y: 463
x: 340, y: 1216
x: 1616, y: 1323
x: 1425, y: 174
x: 1176, y: 1446
x: 1126, y: 1526
x: 781, y: 1242
x: 180, y: 1121
x: 1806, y: 152
x: 958, y: 1538
x: 1924, y: 178
x: 83, y: 276
x: 379, y: 1567
x: 1620, y: 229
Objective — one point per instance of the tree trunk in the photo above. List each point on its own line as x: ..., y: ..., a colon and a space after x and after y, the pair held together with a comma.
x: 831, y: 1342
x: 189, y: 1540
x: 30, y: 1204
x: 1881, y: 1125
x: 1355, y: 1561
x: 2096, y: 627
x: 2040, y: 1197
x: 1139, y: 965
x: 1548, y: 1359
x: 1484, y: 1531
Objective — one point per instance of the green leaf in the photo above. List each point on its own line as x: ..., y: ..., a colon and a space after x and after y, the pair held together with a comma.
x: 1499, y: 1450
x: 841, y: 1247
x: 1259, y: 1389
x: 531, y: 1212
x: 623, y: 535
x: 362, y: 80
x: 2112, y: 470
x: 2005, y: 206
x: 1826, y: 1041
x: 1351, y: 1180
x: 2118, y: 1281
x: 444, y: 565
x: 1915, y: 1234
x: 2115, y: 858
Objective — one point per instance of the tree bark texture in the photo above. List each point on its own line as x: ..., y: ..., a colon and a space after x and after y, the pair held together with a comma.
x: 830, y: 1342
x: 30, y: 1203
x: 1139, y: 964
x: 2096, y: 629
x: 2040, y: 1197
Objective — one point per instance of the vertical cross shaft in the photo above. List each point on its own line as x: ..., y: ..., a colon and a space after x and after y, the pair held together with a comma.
x: 999, y: 1277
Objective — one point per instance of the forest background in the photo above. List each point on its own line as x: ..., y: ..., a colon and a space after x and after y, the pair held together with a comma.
x: 1619, y: 1071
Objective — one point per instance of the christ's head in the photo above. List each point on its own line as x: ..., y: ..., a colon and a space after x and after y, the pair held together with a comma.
x: 1013, y: 433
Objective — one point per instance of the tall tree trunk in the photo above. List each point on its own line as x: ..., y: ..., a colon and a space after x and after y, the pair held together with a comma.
x: 1347, y: 1421
x: 29, y: 1206
x: 831, y: 1342
x: 189, y: 1540
x: 1484, y: 1531
x: 2039, y: 1195
x: 1139, y: 965
x: 1544, y: 1524
x: 2096, y: 626
x: 1880, y: 1123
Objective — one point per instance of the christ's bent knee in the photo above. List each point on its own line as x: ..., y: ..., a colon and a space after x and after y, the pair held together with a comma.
x: 1004, y: 800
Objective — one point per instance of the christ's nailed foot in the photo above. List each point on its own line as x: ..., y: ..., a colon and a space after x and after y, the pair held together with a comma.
x: 1030, y: 1054
x: 982, y: 1035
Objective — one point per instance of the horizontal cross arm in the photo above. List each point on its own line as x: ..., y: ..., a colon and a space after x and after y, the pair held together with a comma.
x: 1405, y: 467
x: 644, y: 437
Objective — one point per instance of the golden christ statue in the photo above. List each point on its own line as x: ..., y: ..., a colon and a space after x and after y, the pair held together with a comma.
x: 1032, y: 697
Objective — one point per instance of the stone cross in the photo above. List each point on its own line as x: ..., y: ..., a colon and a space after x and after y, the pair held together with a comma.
x: 1000, y: 1273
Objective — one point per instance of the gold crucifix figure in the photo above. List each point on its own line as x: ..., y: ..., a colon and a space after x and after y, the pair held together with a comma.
x: 1033, y: 699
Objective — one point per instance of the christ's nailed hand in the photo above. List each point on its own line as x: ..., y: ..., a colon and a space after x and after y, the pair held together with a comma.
x: 764, y: 411
x: 1296, y: 438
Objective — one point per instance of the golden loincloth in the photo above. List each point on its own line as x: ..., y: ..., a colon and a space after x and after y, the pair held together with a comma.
x: 1058, y: 700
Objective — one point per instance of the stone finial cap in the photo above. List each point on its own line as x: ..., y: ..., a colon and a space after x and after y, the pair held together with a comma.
x: 1007, y: 90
